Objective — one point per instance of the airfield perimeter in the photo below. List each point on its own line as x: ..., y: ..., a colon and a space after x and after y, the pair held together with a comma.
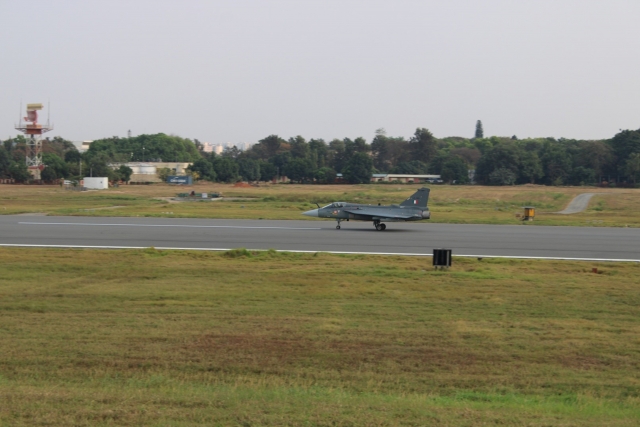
x: 158, y: 337
x: 595, y: 243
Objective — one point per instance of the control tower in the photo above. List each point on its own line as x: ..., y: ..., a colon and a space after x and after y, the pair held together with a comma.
x: 33, y: 131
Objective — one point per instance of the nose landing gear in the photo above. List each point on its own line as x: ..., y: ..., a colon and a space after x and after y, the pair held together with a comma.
x: 338, y: 226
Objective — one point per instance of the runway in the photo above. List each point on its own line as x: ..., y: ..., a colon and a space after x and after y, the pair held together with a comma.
x: 417, y: 238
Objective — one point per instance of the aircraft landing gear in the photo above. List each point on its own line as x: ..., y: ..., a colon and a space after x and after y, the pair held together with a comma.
x: 338, y: 226
x: 379, y: 226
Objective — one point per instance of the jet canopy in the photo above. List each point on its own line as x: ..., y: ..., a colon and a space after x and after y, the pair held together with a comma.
x: 335, y: 205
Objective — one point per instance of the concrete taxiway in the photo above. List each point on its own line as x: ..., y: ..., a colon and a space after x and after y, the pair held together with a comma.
x: 418, y: 238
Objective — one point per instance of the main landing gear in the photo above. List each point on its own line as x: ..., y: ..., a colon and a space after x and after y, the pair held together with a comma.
x: 338, y: 226
x: 379, y: 226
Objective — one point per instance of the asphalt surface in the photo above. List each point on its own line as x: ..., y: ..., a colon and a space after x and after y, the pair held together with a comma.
x: 578, y: 204
x: 416, y: 238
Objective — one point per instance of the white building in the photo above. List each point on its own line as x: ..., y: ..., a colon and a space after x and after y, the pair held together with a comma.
x: 95, y: 183
x: 82, y: 146
x: 388, y: 177
x: 148, y: 171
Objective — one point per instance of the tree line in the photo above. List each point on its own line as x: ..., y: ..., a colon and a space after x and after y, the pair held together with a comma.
x: 64, y: 161
x: 495, y: 160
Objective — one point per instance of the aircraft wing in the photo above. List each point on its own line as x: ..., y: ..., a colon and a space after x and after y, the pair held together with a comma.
x: 389, y: 213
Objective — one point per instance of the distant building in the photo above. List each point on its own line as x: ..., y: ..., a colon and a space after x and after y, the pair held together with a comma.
x: 82, y: 146
x: 148, y: 171
x: 95, y: 183
x: 389, y: 177
x: 242, y: 146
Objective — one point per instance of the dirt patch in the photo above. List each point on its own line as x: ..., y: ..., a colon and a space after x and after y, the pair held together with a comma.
x: 33, y: 214
x: 105, y: 208
x: 286, y: 350
x: 168, y: 199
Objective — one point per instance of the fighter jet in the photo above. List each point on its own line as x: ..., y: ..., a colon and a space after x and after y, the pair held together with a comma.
x: 413, y: 209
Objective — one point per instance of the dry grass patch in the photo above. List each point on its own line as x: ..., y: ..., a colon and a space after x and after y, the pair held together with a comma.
x: 452, y: 204
x: 180, y: 338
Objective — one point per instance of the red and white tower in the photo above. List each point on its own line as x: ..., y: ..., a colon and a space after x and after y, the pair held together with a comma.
x: 33, y: 131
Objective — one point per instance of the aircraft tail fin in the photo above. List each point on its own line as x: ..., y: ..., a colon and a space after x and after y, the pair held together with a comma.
x: 419, y: 199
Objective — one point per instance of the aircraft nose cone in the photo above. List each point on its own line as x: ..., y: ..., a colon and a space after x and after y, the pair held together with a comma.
x: 313, y: 212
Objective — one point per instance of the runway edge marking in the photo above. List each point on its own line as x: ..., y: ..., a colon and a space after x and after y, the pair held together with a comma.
x: 19, y: 245
x: 91, y: 224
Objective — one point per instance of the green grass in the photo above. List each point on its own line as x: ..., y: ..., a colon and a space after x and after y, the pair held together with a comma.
x: 147, y: 337
x: 449, y: 204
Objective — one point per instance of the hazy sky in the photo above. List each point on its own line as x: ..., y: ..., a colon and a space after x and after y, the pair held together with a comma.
x: 237, y: 71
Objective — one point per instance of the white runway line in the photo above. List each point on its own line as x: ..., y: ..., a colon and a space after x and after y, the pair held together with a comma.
x: 18, y: 245
x: 165, y: 225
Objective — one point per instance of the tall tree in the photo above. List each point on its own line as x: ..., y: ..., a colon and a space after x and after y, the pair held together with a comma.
x: 299, y: 170
x: 582, y: 176
x: 380, y: 151
x: 596, y: 155
x: 632, y: 167
x: 269, y: 146
x: 530, y: 168
x: 57, y: 167
x: 450, y: 167
x: 502, y: 176
x: 5, y: 162
x: 72, y: 156
x: 556, y: 163
x: 422, y: 145
x: 249, y: 169
x: 19, y: 172
x: 124, y: 173
x: 226, y: 169
x: 337, y: 156
x: 358, y: 169
x: 58, y: 146
x: 299, y: 147
x: 479, y: 130
x: 158, y: 147
x: 358, y: 145
x: 204, y: 168
x: 388, y: 152
x: 267, y: 170
x: 97, y: 165
x: 280, y: 161
x: 626, y: 143
x: 505, y: 155
x: 412, y: 167
x: 318, y: 152
x: 325, y: 176
x: 48, y: 175
x: 232, y: 152
x: 454, y: 169
x: 469, y: 155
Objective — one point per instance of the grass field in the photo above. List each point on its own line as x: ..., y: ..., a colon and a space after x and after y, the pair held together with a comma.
x: 190, y: 338
x: 452, y: 204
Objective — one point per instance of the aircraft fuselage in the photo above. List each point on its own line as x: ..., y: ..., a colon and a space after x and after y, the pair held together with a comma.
x: 347, y: 211
x: 413, y: 208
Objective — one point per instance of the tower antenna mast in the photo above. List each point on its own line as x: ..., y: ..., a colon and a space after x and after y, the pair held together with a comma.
x: 33, y: 130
